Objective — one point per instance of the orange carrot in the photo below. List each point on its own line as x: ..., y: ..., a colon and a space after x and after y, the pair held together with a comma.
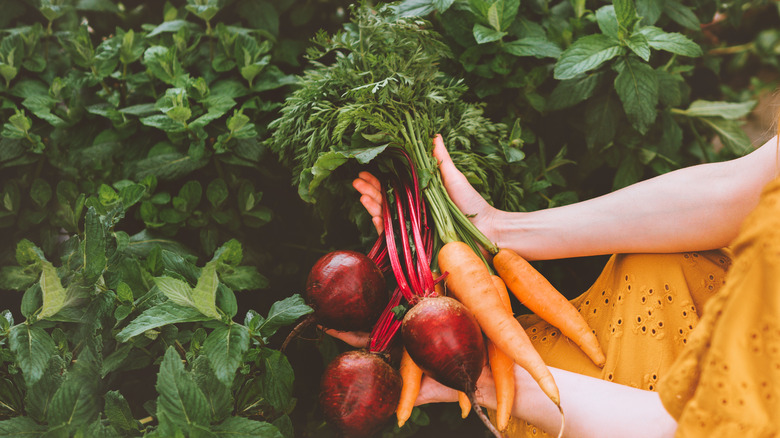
x: 470, y: 282
x: 411, y: 375
x: 502, y: 367
x: 536, y: 293
x: 465, y: 404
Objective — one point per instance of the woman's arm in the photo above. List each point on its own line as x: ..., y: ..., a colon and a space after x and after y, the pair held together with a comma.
x: 592, y: 407
x: 695, y: 208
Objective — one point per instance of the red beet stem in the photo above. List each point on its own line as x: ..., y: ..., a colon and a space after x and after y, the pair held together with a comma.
x: 386, y: 328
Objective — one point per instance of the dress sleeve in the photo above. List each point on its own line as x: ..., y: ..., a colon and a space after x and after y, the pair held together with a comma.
x: 726, y: 382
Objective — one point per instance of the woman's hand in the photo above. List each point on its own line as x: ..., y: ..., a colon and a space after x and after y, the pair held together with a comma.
x: 371, y: 197
x: 466, y: 198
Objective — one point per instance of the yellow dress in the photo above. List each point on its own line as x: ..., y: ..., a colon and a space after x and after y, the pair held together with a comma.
x: 701, y: 328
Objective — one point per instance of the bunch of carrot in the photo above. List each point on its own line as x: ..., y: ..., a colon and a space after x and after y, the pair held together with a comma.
x: 469, y: 279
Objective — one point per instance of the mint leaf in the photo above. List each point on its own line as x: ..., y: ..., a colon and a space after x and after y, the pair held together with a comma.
x: 484, y: 35
x: 241, y: 427
x: 639, y: 45
x: 278, y: 379
x: 532, y: 46
x: 118, y: 412
x: 681, y: 15
x: 587, y: 53
x: 225, y: 347
x: 180, y: 401
x: 205, y: 291
x: 54, y: 294
x: 726, y: 110
x: 94, y: 247
x: 176, y: 290
x: 158, y: 316
x: 283, y: 313
x: 637, y: 86
x: 671, y: 42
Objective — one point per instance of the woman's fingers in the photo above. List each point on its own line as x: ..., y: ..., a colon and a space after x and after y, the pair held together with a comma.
x: 432, y: 391
x: 468, y: 200
x: 371, y: 190
x: 371, y: 179
x: 355, y: 339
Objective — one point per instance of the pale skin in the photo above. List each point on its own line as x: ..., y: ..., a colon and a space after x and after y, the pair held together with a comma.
x: 691, y: 209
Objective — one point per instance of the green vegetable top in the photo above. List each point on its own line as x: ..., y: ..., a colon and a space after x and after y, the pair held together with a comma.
x: 377, y: 84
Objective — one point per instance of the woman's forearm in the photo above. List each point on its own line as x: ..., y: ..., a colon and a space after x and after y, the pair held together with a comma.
x: 695, y: 208
x: 592, y: 407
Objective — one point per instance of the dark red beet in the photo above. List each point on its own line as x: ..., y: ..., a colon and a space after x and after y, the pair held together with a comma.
x: 444, y: 339
x: 347, y: 291
x: 359, y: 392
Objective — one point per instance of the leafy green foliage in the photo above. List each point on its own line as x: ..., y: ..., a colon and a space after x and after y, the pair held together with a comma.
x: 607, y: 83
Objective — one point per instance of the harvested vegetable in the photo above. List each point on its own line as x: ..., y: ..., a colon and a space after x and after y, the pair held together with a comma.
x: 541, y: 297
x: 470, y: 282
x: 359, y: 391
x: 347, y: 291
x: 502, y: 366
x: 411, y: 376
x: 376, y: 96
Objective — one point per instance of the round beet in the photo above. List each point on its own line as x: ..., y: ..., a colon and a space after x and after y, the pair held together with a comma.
x: 346, y: 290
x: 444, y: 339
x: 359, y: 392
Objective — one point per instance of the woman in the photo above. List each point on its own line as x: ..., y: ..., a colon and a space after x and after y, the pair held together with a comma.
x: 662, y: 377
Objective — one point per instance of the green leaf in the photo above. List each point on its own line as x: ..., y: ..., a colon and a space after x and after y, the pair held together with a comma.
x: 163, y: 122
x: 629, y: 171
x: 625, y: 11
x: 158, y: 316
x: 39, y: 395
x: 726, y: 110
x: 54, y: 294
x: 218, y: 395
x: 172, y: 26
x: 608, y: 21
x: 164, y: 65
x: 484, y: 35
x: 21, y: 427
x: 649, y: 10
x: 587, y: 53
x: 283, y: 313
x: 532, y: 46
x: 241, y: 278
x: 278, y: 379
x: 180, y: 401
x: 639, y: 45
x: 637, y: 86
x: 33, y: 348
x: 118, y: 412
x: 225, y: 347
x: 681, y: 14
x: 572, y: 91
x: 205, y: 292
x: 16, y: 278
x: 242, y: 427
x: 602, y: 117
x: 176, y: 290
x: 40, y: 192
x: 671, y: 42
x: 94, y: 247
x: 217, y: 192
x: 730, y: 133
x: 415, y: 8
x: 327, y: 163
